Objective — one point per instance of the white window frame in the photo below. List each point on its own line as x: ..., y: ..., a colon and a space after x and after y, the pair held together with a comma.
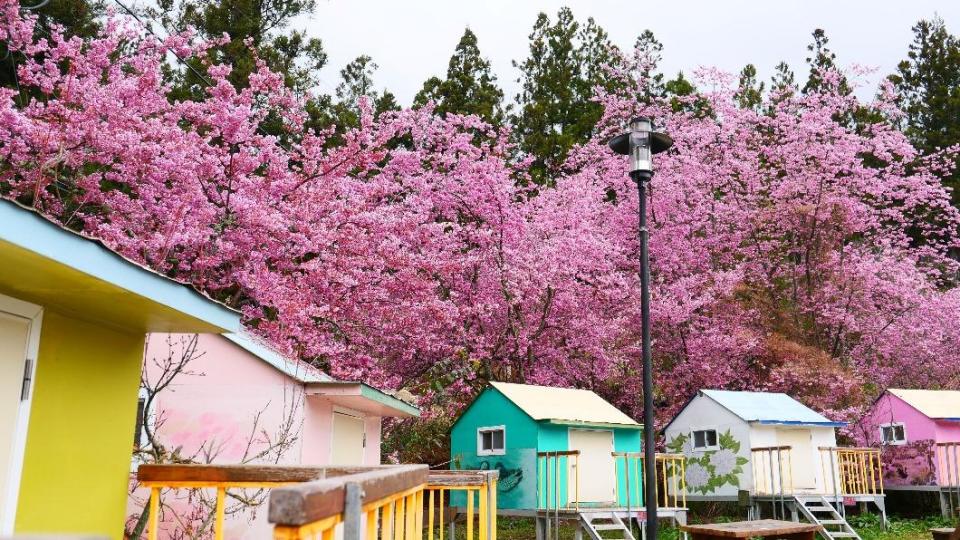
x: 900, y: 442
x: 693, y: 440
x: 34, y: 314
x: 494, y: 452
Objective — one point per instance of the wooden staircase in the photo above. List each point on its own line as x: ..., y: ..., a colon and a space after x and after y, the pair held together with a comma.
x: 818, y: 510
x: 605, y: 525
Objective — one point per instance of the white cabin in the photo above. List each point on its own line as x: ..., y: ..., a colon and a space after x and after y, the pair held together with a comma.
x: 743, y: 440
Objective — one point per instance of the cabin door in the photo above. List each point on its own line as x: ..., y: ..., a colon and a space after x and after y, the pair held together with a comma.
x: 597, y: 474
x: 14, y: 340
x: 801, y: 464
x: 348, y: 440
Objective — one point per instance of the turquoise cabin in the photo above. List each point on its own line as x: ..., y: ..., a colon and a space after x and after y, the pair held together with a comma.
x: 552, y: 446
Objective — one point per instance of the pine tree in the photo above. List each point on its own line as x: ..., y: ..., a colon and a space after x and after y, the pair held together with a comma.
x: 470, y: 86
x: 821, y: 59
x: 928, y: 88
x: 558, y: 78
x: 750, y: 90
x: 783, y: 84
x: 341, y: 111
x: 256, y: 28
x: 650, y: 49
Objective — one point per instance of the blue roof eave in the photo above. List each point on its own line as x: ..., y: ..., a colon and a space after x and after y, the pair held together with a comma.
x: 25, y: 228
x: 798, y: 423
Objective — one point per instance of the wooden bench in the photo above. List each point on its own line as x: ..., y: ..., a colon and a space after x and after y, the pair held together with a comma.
x: 761, y: 528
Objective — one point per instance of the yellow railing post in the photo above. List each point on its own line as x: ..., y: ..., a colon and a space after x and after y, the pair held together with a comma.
x: 430, y: 516
x: 441, y: 514
x: 469, y: 514
x: 387, y: 522
x: 482, y: 495
x: 493, y: 508
x: 399, y: 513
x: 418, y: 521
x: 372, y: 524
x: 220, y: 513
x: 153, y: 522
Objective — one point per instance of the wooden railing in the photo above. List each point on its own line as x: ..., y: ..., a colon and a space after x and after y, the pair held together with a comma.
x: 947, y: 459
x: 845, y: 472
x: 851, y: 471
x: 558, y: 480
x: 385, y: 502
x: 772, y: 470
x: 631, y: 480
x: 482, y: 484
x: 221, y: 478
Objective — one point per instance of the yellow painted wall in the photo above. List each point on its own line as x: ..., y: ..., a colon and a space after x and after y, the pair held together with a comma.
x: 81, y: 429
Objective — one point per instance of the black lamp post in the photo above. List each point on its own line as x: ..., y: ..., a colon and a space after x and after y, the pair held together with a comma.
x: 640, y: 143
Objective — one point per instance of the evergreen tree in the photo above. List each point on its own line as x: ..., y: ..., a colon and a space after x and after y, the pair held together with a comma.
x: 821, y: 59
x: 928, y: 88
x: 256, y: 28
x: 783, y: 84
x: 470, y: 86
x: 566, y: 62
x: 650, y: 48
x: 750, y: 90
x: 342, y: 111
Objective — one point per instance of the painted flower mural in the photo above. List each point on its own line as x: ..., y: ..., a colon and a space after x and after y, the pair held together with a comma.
x: 710, y: 470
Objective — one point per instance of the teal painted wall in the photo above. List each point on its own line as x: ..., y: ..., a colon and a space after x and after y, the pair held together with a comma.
x: 518, y: 467
x: 521, y: 475
x: 629, y: 440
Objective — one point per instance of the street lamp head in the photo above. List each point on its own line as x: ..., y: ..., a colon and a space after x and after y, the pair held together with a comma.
x: 640, y: 143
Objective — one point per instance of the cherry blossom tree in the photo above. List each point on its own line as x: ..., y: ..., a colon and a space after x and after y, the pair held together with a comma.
x: 800, y: 245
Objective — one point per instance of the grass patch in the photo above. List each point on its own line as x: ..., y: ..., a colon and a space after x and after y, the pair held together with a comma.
x: 868, y: 525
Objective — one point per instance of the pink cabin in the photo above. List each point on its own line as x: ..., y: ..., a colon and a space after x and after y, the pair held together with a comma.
x: 237, y: 400
x: 919, y: 432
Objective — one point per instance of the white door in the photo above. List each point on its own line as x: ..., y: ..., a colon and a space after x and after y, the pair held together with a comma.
x: 597, y: 468
x: 348, y: 440
x: 14, y: 338
x: 800, y: 441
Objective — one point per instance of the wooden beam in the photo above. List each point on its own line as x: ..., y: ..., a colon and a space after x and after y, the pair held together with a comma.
x: 308, y: 502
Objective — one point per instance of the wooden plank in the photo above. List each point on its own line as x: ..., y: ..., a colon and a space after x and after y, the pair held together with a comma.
x: 747, y: 529
x: 311, y: 501
x: 229, y: 473
x: 460, y: 478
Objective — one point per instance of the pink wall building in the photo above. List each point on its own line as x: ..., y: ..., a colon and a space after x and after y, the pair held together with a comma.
x: 238, y: 400
x: 919, y: 432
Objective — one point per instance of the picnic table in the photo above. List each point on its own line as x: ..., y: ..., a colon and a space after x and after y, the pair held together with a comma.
x: 763, y: 528
x: 944, y: 533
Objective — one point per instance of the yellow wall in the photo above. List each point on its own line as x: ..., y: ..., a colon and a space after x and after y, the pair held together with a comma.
x: 81, y: 429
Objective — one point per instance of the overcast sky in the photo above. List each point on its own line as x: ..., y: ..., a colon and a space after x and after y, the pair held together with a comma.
x: 412, y: 40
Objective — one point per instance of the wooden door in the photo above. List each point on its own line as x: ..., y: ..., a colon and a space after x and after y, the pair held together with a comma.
x: 348, y: 440
x: 801, y: 459
x: 597, y: 469
x: 14, y: 334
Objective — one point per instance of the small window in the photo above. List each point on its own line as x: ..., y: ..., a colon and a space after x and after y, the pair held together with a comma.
x: 138, y: 430
x: 704, y: 439
x: 491, y: 441
x: 893, y: 434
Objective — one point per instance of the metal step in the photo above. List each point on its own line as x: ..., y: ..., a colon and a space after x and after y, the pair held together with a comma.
x: 610, y: 521
x: 810, y: 507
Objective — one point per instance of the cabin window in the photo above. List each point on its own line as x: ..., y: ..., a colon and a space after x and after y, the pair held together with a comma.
x: 704, y: 439
x: 138, y: 430
x: 893, y: 433
x: 491, y: 441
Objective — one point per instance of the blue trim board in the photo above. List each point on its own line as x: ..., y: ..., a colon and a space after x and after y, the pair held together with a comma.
x: 25, y: 228
x: 800, y: 423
